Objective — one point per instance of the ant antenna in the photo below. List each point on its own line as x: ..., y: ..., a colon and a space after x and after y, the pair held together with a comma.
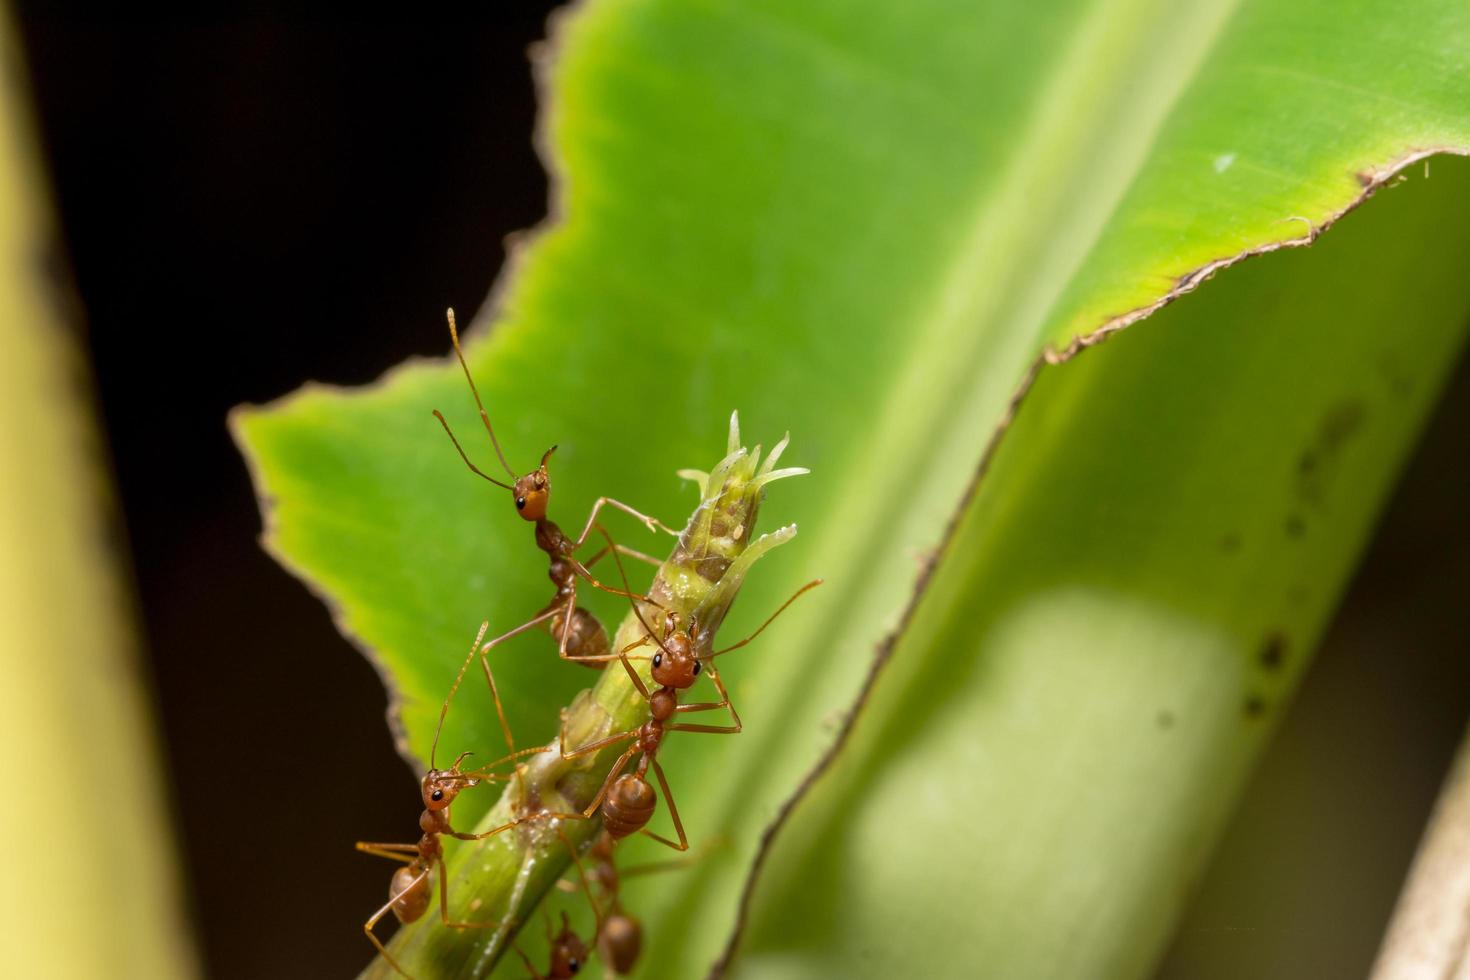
x: 796, y: 595
x: 444, y: 711
x: 647, y: 630
x: 484, y: 416
x: 475, y: 469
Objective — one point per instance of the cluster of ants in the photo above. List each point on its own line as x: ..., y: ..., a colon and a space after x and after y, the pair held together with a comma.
x: 626, y: 801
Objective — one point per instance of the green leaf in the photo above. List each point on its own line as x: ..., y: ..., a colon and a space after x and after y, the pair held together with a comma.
x: 868, y: 224
x: 1122, y: 615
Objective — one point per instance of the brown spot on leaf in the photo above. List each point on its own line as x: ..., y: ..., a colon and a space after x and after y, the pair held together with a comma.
x: 1230, y: 543
x: 1254, y: 706
x: 1296, y: 526
x: 1165, y: 720
x: 1316, y: 466
x: 1273, y: 651
x: 1400, y: 384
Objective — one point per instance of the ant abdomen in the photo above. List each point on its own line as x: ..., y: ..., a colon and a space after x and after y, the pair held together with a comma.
x: 411, y: 888
x: 619, y: 942
x: 584, y: 639
x: 628, y: 807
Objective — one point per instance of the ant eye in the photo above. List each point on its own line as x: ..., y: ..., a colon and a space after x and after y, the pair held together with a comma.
x: 437, y: 795
x: 574, y: 965
x: 658, y: 659
x: 520, y: 503
x: 697, y: 665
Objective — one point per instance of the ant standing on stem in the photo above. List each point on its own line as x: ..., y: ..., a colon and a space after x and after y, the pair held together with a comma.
x: 583, y: 639
x: 619, y: 937
x: 626, y: 798
x: 410, y: 892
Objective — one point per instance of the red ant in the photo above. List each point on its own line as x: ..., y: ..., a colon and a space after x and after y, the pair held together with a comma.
x: 568, y: 953
x: 619, y: 936
x: 583, y: 637
x: 627, y: 799
x: 410, y: 892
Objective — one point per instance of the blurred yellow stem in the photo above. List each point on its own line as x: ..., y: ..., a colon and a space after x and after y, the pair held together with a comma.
x: 92, y: 883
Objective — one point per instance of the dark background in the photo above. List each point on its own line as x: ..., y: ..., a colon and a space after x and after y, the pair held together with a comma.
x: 250, y: 201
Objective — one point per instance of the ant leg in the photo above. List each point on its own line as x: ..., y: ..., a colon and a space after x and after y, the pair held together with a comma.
x: 566, y: 620
x: 641, y: 641
x: 724, y: 702
x: 627, y: 590
x: 714, y: 676
x: 622, y: 549
x: 367, y: 927
x: 613, y: 773
x: 652, y: 523
x: 510, y: 741
x: 735, y: 729
x: 597, y: 556
x: 529, y: 965
x: 658, y: 867
x: 590, y: 747
x: 639, y: 556
x: 444, y: 906
x: 637, y: 681
x: 537, y: 621
x: 393, y: 852
x: 571, y: 606
x: 566, y: 632
x: 663, y: 783
x: 489, y: 833
x: 707, y: 729
x: 582, y: 874
x: 538, y: 815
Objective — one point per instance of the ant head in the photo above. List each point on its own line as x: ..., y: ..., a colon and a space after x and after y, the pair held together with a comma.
x: 568, y: 952
x: 533, y: 491
x: 439, y: 787
x: 674, y: 663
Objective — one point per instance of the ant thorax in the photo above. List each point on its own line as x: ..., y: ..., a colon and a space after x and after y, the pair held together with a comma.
x: 663, y: 703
